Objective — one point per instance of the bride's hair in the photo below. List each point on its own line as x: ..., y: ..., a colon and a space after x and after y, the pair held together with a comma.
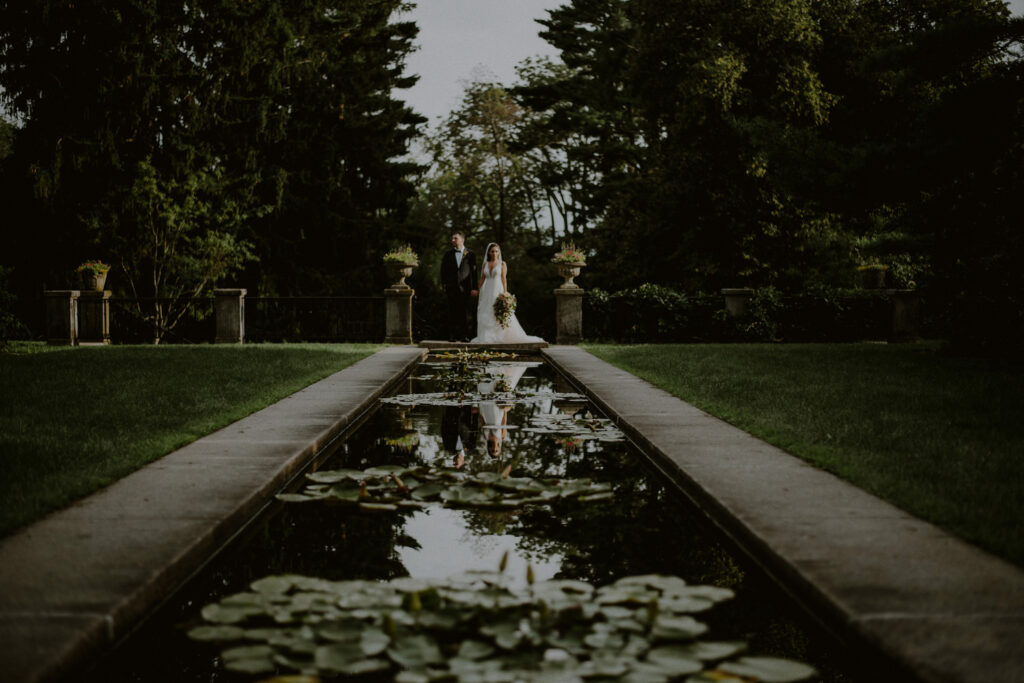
x: 487, y: 253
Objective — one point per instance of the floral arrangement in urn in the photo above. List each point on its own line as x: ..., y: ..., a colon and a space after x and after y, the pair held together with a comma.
x: 93, y: 268
x: 93, y: 275
x: 504, y: 307
x: 403, y: 255
x: 570, y: 255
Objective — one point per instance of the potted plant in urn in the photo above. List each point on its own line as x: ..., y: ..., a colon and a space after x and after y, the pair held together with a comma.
x: 93, y: 275
x: 872, y: 275
x: 400, y: 263
x: 569, y: 261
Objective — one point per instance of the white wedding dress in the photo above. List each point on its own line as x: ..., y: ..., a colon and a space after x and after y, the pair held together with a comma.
x: 488, y: 331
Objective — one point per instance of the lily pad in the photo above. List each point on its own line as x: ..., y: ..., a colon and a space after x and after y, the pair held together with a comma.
x: 769, y: 669
x: 674, y: 661
x: 216, y: 633
x: 415, y: 651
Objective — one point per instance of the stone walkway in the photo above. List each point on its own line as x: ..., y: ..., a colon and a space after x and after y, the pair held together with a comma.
x: 79, y: 580
x: 885, y: 581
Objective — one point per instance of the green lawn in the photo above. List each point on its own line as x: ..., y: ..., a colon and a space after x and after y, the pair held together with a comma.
x: 75, y: 420
x: 939, y: 436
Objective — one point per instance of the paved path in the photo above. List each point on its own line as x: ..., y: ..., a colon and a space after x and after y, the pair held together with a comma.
x: 929, y: 602
x: 77, y: 581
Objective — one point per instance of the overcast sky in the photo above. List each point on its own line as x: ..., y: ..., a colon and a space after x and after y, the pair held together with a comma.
x: 460, y: 36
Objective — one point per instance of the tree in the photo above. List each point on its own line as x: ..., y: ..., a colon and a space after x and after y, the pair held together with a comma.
x: 288, y: 105
x: 176, y: 238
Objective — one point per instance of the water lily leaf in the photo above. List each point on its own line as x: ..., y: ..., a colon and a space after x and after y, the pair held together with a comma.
x: 505, y: 633
x: 428, y: 491
x: 385, y: 470
x: 220, y: 614
x: 604, y: 641
x: 684, y: 604
x: 335, y: 476
x: 708, y: 651
x: 475, y: 649
x: 677, y: 628
x: 256, y: 665
x: 415, y: 651
x: 295, y: 497
x: 625, y: 595
x: 769, y: 669
x: 412, y: 677
x: 337, y: 656
x: 604, y: 664
x: 660, y: 582
x: 378, y: 507
x: 273, y: 585
x: 642, y: 672
x: 217, y: 633
x: 613, y: 612
x: 341, y: 633
x: 674, y: 660
x: 344, y: 492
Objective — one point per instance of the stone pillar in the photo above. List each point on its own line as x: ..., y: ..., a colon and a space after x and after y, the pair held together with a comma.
x: 906, y: 315
x: 229, y: 315
x: 94, y: 318
x: 398, y: 314
x: 736, y: 301
x: 61, y: 316
x: 568, y: 315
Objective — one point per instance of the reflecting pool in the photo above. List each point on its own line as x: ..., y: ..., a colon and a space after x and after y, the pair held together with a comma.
x: 514, y: 418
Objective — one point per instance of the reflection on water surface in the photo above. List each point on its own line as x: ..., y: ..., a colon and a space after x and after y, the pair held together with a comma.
x: 516, y: 415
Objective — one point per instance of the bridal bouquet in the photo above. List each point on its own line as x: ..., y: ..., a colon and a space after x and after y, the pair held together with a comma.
x: 504, y: 307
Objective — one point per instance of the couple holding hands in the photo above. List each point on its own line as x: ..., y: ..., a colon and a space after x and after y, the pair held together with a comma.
x: 462, y: 282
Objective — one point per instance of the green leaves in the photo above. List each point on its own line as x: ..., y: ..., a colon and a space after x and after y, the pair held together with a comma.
x: 477, y: 627
x: 388, y: 488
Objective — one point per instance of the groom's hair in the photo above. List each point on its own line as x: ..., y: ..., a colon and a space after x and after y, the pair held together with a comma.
x: 459, y: 233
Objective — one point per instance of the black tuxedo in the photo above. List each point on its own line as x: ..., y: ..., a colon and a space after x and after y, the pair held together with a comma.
x: 458, y: 423
x: 458, y: 281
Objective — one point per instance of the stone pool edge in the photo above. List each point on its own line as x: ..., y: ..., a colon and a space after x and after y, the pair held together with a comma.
x: 77, y: 581
x: 907, y: 596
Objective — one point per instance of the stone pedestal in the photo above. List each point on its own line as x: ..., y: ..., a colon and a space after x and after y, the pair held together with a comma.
x: 568, y: 315
x: 94, y: 318
x: 62, y: 316
x: 736, y: 300
x: 906, y: 315
x: 398, y: 315
x: 229, y: 315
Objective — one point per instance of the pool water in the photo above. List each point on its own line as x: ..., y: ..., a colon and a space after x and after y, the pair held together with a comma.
x: 645, y: 528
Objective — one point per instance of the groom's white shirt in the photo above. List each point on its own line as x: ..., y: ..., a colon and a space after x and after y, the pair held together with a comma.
x: 458, y: 257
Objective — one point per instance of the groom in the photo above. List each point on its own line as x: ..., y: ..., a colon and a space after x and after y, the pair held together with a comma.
x: 459, y: 278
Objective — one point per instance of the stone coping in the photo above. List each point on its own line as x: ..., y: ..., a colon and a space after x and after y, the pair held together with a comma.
x: 907, y: 596
x: 79, y: 580
x: 437, y: 345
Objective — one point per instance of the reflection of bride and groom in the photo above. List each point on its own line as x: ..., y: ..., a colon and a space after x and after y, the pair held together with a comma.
x: 461, y: 283
x: 461, y: 425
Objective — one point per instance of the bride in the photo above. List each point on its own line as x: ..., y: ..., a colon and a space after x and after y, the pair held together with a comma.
x: 492, y: 283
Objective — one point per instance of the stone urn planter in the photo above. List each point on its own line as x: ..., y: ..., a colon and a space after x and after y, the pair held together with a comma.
x: 568, y: 271
x: 93, y: 282
x: 93, y: 275
x: 871, y: 276
x: 397, y: 272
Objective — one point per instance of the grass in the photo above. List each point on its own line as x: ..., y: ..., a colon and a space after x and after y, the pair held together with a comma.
x: 75, y: 420
x: 939, y: 436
